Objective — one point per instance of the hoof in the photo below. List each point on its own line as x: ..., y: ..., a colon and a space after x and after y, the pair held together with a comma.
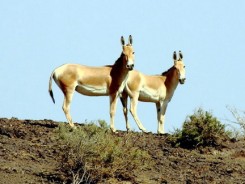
x: 71, y: 128
x: 163, y: 134
x: 145, y: 131
x: 72, y: 125
x: 114, y: 131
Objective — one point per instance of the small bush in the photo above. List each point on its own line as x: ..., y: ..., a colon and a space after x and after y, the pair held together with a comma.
x: 239, y: 117
x: 94, y: 153
x: 200, y: 129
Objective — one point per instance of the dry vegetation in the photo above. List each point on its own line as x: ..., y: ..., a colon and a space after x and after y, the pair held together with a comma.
x: 43, y: 151
x: 93, y: 153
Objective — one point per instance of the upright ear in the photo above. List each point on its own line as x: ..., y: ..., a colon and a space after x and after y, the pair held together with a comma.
x: 180, y: 55
x: 130, y: 39
x: 122, y: 41
x: 174, y: 56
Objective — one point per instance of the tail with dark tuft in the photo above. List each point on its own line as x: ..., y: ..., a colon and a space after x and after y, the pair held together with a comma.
x: 50, y: 87
x: 52, y: 95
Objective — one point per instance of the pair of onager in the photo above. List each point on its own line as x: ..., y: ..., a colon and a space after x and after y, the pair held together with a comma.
x: 108, y: 80
x: 158, y: 89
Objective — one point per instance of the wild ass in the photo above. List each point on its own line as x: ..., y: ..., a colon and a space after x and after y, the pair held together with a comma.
x: 158, y: 89
x: 107, y: 80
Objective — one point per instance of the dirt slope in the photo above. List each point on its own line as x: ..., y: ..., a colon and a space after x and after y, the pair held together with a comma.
x: 31, y: 151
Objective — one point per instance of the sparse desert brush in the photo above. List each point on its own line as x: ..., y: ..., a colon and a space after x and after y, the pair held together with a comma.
x: 239, y: 117
x: 200, y: 129
x: 94, y: 153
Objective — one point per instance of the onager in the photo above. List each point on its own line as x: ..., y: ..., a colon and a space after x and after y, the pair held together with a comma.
x: 158, y: 89
x: 107, y: 80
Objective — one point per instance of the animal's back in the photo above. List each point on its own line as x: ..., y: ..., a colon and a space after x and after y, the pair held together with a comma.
x: 87, y: 80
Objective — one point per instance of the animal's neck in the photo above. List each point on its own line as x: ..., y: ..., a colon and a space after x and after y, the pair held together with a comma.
x: 172, y: 79
x: 119, y: 69
x: 119, y: 73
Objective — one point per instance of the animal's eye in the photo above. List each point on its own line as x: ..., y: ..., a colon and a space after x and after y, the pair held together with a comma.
x: 133, y: 52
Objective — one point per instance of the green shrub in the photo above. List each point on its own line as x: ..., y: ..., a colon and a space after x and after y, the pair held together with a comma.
x: 200, y: 129
x: 94, y: 153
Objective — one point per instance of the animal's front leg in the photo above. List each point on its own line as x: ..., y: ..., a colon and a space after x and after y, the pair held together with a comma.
x: 113, y: 104
x: 161, y: 110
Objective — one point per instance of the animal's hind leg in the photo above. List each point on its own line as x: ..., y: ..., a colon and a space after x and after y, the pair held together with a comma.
x: 66, y: 106
x: 133, y: 110
x: 124, y: 100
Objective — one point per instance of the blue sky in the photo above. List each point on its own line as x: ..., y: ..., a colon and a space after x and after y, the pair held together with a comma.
x: 38, y: 36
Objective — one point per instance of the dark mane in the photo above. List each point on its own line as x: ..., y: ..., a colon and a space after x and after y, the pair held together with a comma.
x: 165, y: 73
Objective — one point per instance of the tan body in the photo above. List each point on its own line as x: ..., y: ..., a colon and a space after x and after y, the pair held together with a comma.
x: 84, y: 80
x: 158, y: 89
x: 94, y: 81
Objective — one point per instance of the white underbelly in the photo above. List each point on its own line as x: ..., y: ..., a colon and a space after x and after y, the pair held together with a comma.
x: 92, y: 90
x: 148, y: 95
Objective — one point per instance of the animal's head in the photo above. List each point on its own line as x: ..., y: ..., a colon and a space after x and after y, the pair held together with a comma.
x: 128, y: 52
x: 180, y: 66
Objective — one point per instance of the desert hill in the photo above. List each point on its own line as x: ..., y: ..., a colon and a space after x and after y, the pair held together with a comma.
x: 44, y: 151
